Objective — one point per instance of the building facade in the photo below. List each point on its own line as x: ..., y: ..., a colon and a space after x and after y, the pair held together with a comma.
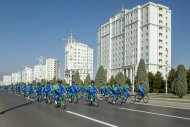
x: 16, y: 77
x: 141, y: 32
x: 52, y: 69
x: 39, y: 72
x: 27, y: 75
x: 78, y: 56
x: 7, y: 79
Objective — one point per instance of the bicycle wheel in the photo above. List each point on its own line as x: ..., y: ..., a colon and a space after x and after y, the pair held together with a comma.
x: 75, y: 99
x: 120, y: 101
x: 137, y: 98
x: 96, y: 102
x: 131, y: 99
x: 145, y: 99
x: 63, y: 104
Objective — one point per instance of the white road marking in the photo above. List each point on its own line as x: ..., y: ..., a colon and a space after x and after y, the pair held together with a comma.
x: 29, y: 99
x: 17, y: 95
x: 164, y: 106
x: 134, y: 110
x: 92, y: 119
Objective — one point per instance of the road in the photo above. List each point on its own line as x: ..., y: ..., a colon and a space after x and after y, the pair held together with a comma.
x: 17, y: 111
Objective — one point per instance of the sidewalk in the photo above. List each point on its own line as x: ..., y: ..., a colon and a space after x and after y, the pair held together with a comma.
x: 168, y: 101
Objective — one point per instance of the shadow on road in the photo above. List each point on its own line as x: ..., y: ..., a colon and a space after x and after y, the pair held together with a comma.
x: 18, y: 106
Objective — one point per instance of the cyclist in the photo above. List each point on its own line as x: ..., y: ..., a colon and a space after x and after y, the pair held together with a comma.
x: 30, y: 90
x: 125, y: 89
x: 92, y: 90
x: 59, y: 91
x: 38, y: 89
x: 116, y: 90
x: 83, y: 89
x: 141, y: 90
x: 107, y: 90
x: 47, y: 90
x: 73, y: 90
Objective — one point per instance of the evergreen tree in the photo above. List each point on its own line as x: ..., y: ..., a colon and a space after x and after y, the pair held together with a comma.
x: 76, y: 78
x: 120, y: 78
x: 159, y: 83
x: 112, y: 80
x: 100, y: 76
x: 127, y: 81
x: 188, y: 81
x: 181, y: 81
x: 151, y: 78
x: 34, y: 83
x: 171, y: 76
x: 142, y: 76
x: 87, y: 80
x: 43, y: 82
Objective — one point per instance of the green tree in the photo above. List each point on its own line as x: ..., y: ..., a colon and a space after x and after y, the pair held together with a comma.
x: 112, y: 80
x: 171, y: 76
x: 34, y: 83
x: 43, y: 82
x: 120, y: 78
x: 159, y: 82
x: 76, y: 78
x: 142, y: 76
x: 188, y: 81
x: 151, y: 78
x: 181, y: 81
x: 100, y: 76
x: 87, y: 80
x: 127, y: 80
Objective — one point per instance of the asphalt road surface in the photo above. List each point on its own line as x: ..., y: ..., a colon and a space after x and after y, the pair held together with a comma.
x: 17, y: 111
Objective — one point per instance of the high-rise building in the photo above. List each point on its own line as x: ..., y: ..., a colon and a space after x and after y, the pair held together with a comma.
x: 52, y: 69
x: 16, y: 77
x: 78, y: 56
x: 40, y: 70
x: 27, y: 75
x: 7, y: 79
x: 141, y: 32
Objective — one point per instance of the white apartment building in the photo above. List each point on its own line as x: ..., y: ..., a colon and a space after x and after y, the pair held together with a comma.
x: 27, y: 75
x: 7, y: 79
x: 52, y: 69
x: 16, y: 77
x: 141, y: 32
x: 78, y: 56
x: 39, y: 72
x: 1, y: 83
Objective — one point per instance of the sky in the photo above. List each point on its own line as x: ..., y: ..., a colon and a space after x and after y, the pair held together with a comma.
x: 33, y: 28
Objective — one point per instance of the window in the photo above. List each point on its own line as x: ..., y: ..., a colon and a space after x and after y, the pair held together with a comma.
x: 146, y: 34
x: 166, y: 30
x: 160, y: 8
x: 160, y: 15
x: 166, y: 24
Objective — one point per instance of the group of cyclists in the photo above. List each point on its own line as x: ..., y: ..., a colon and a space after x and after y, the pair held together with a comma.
x: 113, y: 94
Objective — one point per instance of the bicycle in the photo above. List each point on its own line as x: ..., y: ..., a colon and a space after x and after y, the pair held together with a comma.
x: 73, y: 98
x: 119, y: 99
x: 129, y: 98
x: 93, y: 100
x: 145, y: 97
x: 47, y: 99
x: 61, y: 103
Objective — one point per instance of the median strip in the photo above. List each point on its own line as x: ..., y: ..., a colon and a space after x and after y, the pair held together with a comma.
x: 92, y: 119
x: 154, y: 113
